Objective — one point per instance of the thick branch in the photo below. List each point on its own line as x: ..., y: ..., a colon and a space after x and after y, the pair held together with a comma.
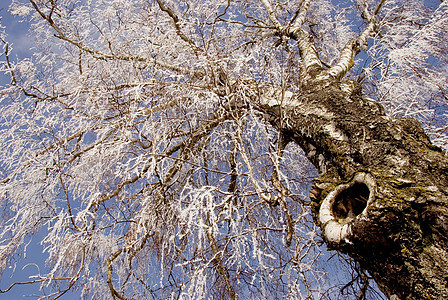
x: 271, y: 14
x: 300, y: 19
x: 308, y: 51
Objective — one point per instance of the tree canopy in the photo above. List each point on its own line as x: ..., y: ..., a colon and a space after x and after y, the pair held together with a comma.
x: 135, y: 145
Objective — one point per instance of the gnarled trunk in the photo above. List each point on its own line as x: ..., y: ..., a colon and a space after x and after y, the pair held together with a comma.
x: 382, y: 193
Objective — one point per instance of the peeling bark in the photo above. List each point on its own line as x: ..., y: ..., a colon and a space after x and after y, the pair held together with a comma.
x: 382, y: 193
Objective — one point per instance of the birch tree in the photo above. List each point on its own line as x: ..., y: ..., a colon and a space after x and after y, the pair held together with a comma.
x: 216, y: 149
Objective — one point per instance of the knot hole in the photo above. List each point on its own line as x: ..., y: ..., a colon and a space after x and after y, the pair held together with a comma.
x: 351, y: 202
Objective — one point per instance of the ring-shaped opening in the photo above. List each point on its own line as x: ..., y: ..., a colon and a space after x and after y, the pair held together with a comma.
x: 344, y: 204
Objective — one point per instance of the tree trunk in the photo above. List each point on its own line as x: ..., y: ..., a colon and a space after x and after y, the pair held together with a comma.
x: 382, y: 193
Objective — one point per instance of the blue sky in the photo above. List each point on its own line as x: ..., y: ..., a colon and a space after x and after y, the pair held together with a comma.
x: 17, y: 36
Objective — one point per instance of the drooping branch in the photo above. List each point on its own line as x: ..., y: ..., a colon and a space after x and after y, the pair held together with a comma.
x: 110, y: 284
x: 283, y: 191
x: 222, y: 270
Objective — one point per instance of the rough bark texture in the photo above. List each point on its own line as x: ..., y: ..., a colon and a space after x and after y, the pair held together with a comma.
x: 402, y: 236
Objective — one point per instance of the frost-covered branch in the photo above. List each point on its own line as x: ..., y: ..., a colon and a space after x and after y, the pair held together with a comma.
x: 299, y: 17
x: 176, y: 22
x: 100, y: 55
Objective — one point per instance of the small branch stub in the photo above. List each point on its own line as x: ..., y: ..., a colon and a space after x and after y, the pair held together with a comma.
x: 343, y: 205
